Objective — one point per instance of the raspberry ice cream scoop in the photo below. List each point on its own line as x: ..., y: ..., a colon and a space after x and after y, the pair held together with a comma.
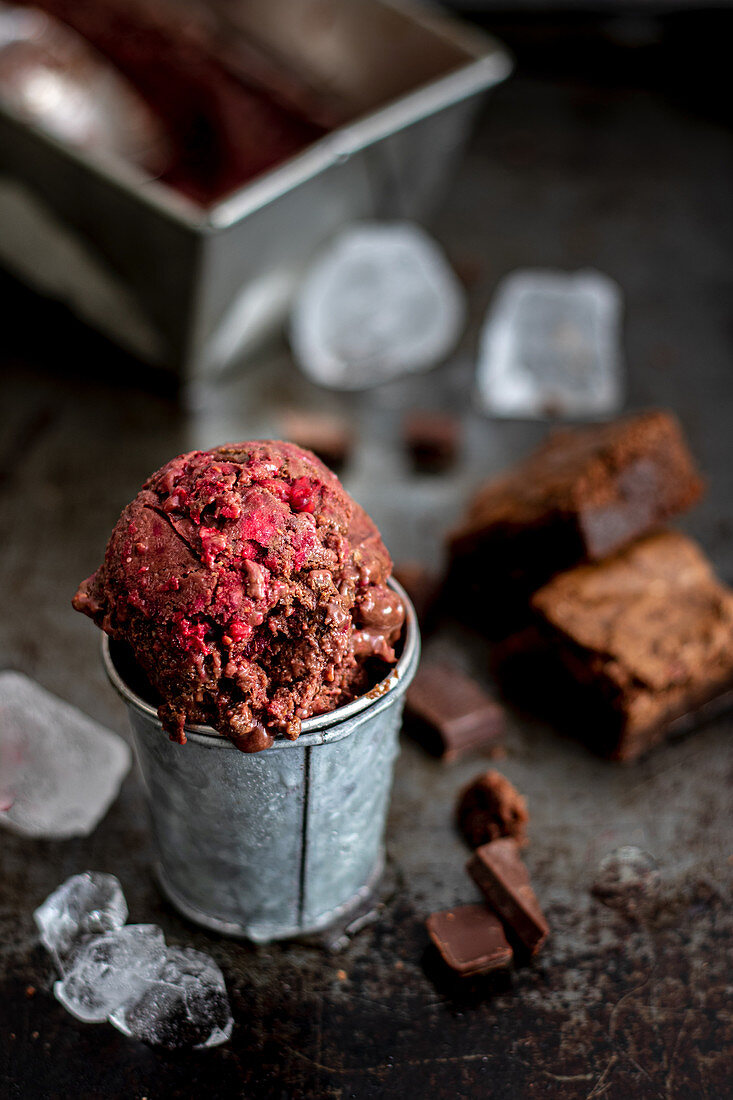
x: 251, y: 590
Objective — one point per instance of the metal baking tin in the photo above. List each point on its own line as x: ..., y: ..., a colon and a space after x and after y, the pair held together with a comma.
x: 192, y: 289
x: 282, y: 842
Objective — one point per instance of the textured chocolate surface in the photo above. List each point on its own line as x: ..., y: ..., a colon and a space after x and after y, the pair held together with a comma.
x: 470, y: 939
x: 500, y: 874
x: 251, y: 590
x: 647, y: 636
x: 491, y: 807
x: 449, y: 713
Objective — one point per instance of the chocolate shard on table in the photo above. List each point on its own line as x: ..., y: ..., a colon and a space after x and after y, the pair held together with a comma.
x: 498, y: 871
x: 644, y: 639
x: 330, y: 438
x: 432, y: 440
x: 491, y: 807
x: 449, y: 713
x: 582, y: 495
x: 470, y: 940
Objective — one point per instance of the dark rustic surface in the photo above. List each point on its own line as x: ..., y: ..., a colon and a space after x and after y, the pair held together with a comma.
x: 635, y: 180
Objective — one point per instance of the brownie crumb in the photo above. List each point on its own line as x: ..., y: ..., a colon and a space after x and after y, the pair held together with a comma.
x: 491, y: 807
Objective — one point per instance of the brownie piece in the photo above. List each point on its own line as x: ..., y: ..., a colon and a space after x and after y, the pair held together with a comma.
x: 582, y: 495
x: 498, y: 871
x: 645, y: 638
x: 470, y: 939
x: 449, y: 713
x: 431, y: 439
x: 491, y: 807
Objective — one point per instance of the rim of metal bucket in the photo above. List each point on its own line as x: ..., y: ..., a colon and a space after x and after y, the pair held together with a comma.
x: 318, y: 730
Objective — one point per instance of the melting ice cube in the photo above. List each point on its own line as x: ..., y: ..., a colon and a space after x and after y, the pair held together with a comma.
x: 381, y: 301
x: 187, y: 1004
x: 166, y: 996
x: 64, y: 770
x: 627, y: 879
x: 550, y: 346
x: 109, y: 970
x: 85, y: 905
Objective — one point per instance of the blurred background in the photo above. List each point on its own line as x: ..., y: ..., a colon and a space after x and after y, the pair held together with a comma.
x: 178, y: 187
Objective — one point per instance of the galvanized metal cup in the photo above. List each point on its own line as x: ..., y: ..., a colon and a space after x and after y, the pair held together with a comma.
x: 281, y: 842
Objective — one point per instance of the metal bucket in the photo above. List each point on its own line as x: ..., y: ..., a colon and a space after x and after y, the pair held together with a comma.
x: 281, y: 842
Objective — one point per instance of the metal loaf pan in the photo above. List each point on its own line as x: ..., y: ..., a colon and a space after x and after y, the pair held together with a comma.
x: 193, y: 289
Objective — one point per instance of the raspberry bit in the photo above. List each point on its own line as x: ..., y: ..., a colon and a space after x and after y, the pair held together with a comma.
x: 302, y: 495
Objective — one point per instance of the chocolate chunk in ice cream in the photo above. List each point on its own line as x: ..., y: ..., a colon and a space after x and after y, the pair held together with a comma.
x: 251, y: 589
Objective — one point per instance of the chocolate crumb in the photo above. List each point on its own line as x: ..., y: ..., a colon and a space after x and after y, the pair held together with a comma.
x: 491, y: 807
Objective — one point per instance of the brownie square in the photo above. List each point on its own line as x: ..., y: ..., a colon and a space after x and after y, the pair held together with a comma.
x: 582, y: 495
x: 645, y: 638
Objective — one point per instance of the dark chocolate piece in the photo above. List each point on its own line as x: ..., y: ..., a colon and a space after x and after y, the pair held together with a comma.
x: 643, y: 638
x: 584, y: 494
x: 421, y: 585
x: 432, y: 440
x: 491, y: 807
x: 449, y: 713
x: 470, y: 939
x: 329, y: 437
x: 498, y: 871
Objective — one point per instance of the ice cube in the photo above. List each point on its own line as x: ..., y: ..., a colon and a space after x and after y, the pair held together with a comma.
x: 85, y: 905
x: 64, y: 770
x: 550, y: 346
x: 187, y: 1005
x: 627, y: 879
x: 109, y: 970
x: 381, y: 301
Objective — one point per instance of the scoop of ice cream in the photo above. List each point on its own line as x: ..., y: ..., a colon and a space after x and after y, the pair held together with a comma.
x: 251, y: 589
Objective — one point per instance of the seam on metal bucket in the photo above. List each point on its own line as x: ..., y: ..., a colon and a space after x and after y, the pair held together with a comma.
x: 304, y: 835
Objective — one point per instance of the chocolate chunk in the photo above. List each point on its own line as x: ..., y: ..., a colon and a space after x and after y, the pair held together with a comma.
x: 491, y: 807
x: 421, y: 585
x: 641, y: 639
x: 449, y: 713
x: 432, y: 440
x: 501, y: 876
x: 470, y: 939
x: 329, y: 437
x: 584, y: 494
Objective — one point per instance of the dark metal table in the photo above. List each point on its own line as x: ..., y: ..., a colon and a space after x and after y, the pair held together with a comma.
x: 635, y: 181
